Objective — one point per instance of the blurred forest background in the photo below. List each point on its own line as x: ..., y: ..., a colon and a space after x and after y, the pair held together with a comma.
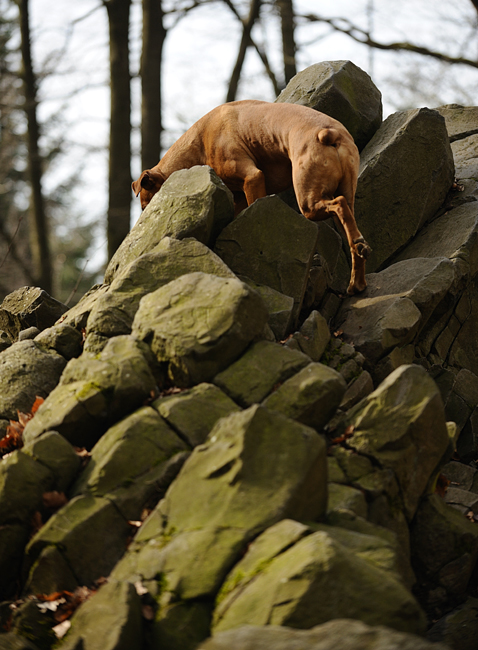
x: 92, y: 92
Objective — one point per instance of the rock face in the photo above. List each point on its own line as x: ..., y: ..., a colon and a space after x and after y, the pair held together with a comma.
x: 230, y: 452
x: 406, y: 171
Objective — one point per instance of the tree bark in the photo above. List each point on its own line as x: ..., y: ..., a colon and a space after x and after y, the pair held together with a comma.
x: 119, y: 194
x: 286, y: 10
x: 39, y: 243
x: 154, y: 35
x: 246, y: 41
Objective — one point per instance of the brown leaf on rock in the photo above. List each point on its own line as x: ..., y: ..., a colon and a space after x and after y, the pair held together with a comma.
x: 442, y: 485
x: 13, y: 439
x: 348, y: 433
x: 54, y: 500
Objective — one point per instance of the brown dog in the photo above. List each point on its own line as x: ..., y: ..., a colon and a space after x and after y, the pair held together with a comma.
x: 258, y: 148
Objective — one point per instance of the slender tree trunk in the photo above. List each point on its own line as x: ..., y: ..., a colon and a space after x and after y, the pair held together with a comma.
x: 38, y: 220
x: 286, y: 10
x: 246, y: 41
x: 119, y: 200
x: 154, y: 35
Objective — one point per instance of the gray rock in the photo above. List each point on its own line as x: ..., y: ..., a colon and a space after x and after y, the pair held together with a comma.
x: 131, y: 462
x: 193, y: 413
x: 465, y: 152
x: 402, y: 425
x: 29, y: 307
x: 111, y: 619
x: 95, y: 391
x: 358, y: 389
x: 191, y: 203
x: 27, y: 371
x: 396, y: 305
x: 345, y: 497
x: 63, y: 338
x: 5, y: 341
x: 314, y: 336
x: 343, y: 91
x: 13, y: 539
x: 212, y: 507
x: 56, y: 453
x: 445, y: 547
x: 28, y: 334
x: 273, y: 245
x: 78, y: 315
x: 345, y: 634
x: 311, y: 396
x: 279, y: 306
x: 453, y: 235
x: 459, y: 628
x: 13, y: 641
x: 461, y: 121
x: 198, y: 324
x: 263, y: 367
x: 91, y: 535
x: 22, y: 483
x: 113, y: 313
x: 323, y: 575
x: 405, y: 173
x: 459, y: 474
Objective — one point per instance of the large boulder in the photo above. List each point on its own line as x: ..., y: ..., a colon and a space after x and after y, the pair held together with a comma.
x: 198, y: 324
x: 191, y: 203
x: 343, y: 91
x: 321, y: 576
x: 255, y: 468
x: 273, y: 245
x: 402, y: 426
x: 95, y: 391
x: 405, y: 173
x: 27, y: 371
x: 113, y: 313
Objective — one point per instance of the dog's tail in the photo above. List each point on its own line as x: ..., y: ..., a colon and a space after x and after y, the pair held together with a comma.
x: 329, y: 136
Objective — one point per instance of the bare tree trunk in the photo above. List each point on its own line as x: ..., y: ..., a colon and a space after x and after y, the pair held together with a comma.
x: 119, y: 200
x: 288, y: 39
x: 38, y: 220
x: 154, y: 35
x: 246, y: 41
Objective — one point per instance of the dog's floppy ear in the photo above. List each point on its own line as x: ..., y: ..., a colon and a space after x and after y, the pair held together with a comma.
x: 329, y: 136
x: 149, y: 180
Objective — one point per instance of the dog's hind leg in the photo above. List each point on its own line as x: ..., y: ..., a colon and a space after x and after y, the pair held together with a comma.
x: 359, y: 249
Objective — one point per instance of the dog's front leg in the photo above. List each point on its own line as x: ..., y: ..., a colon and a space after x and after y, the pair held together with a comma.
x: 254, y: 185
x: 359, y: 249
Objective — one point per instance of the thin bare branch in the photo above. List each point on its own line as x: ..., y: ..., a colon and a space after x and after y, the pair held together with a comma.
x: 344, y: 26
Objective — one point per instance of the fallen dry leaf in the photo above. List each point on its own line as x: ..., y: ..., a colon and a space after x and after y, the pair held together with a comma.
x: 13, y: 439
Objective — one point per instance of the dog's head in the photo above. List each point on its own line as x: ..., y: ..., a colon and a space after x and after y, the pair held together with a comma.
x: 147, y: 185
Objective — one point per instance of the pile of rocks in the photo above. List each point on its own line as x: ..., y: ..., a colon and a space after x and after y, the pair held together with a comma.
x: 264, y: 452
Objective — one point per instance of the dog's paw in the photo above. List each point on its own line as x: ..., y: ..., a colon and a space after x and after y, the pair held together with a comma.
x: 362, y: 248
